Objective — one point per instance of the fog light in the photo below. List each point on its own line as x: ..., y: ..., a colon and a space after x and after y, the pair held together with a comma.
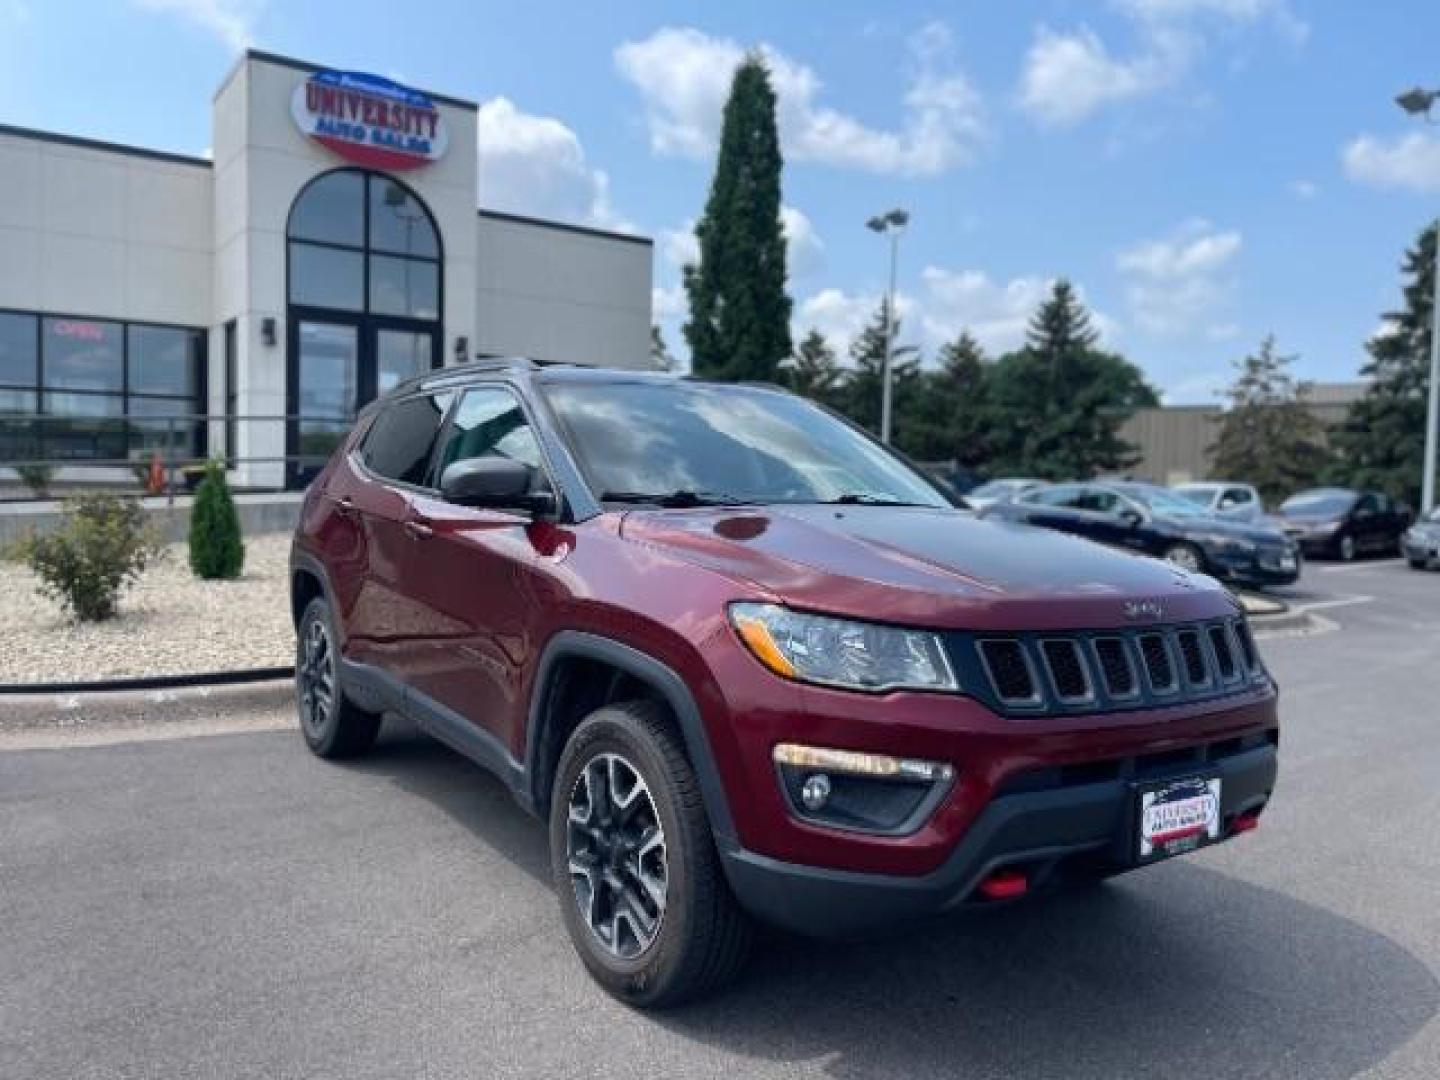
x: 815, y: 792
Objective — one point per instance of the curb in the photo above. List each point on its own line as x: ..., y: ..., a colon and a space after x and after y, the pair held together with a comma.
x: 90, y: 709
x: 148, y: 682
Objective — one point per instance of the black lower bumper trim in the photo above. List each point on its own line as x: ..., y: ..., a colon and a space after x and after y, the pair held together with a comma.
x: 1035, y: 829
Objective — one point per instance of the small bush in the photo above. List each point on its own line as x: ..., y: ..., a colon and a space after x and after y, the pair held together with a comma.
x: 216, y: 550
x: 89, y: 561
x: 36, y: 477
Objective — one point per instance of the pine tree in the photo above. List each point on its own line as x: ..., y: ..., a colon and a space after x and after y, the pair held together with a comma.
x: 951, y: 421
x: 1058, y: 403
x: 859, y: 397
x: 813, y: 371
x: 739, y: 324
x: 216, y: 550
x: 661, y: 358
x: 1267, y: 435
x: 1381, y: 443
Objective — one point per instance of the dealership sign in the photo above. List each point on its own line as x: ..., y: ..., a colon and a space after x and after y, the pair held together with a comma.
x: 369, y: 120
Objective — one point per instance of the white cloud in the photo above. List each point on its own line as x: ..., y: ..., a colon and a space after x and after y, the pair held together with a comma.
x: 1176, y: 284
x: 840, y: 316
x: 232, y: 21
x: 1067, y: 77
x: 1411, y: 162
x: 804, y: 249
x: 684, y: 75
x: 668, y: 304
x: 536, y: 165
x: 1304, y: 189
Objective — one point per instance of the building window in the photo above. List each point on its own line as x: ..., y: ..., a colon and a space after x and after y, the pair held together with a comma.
x: 361, y: 242
x: 122, y: 391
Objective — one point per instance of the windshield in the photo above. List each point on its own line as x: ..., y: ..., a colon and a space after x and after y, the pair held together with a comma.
x: 1318, y: 503
x: 1202, y: 496
x: 646, y: 441
x: 1165, y: 503
x: 998, y: 489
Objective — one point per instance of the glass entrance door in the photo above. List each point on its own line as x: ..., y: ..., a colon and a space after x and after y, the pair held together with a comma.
x: 326, y: 364
x: 339, y: 367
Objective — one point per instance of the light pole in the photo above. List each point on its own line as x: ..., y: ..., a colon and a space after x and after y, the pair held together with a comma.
x: 1418, y: 102
x: 890, y: 224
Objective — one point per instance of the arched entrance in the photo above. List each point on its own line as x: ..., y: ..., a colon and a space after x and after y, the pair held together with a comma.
x: 364, y: 283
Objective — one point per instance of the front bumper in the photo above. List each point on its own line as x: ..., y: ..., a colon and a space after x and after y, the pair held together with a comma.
x: 1042, y: 824
x: 1418, y: 548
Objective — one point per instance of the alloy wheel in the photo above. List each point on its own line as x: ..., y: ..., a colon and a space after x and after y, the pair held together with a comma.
x: 317, y: 679
x: 1184, y: 557
x: 615, y: 850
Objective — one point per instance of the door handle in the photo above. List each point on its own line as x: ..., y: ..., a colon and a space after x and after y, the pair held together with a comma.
x: 418, y: 530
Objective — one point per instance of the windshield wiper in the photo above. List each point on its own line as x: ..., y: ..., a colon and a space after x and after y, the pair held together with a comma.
x: 675, y: 500
x: 860, y: 498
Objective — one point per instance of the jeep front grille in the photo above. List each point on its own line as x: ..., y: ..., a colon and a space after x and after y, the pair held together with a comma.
x: 1030, y: 674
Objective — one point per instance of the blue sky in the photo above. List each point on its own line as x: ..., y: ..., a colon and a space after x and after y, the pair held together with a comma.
x: 1206, y: 171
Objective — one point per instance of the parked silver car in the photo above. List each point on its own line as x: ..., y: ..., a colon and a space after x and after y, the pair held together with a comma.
x: 1002, y: 490
x: 1224, y: 498
x: 1421, y: 542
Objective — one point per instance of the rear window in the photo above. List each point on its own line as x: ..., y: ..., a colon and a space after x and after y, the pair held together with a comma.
x: 400, y: 442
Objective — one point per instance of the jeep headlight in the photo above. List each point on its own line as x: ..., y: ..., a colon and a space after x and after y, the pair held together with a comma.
x: 842, y: 652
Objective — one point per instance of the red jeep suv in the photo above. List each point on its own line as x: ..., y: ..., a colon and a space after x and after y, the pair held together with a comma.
x: 749, y: 664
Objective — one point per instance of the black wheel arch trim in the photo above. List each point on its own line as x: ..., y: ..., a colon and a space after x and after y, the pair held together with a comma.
x: 570, y: 644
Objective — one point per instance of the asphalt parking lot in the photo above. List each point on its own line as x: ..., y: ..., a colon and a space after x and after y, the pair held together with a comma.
x: 230, y: 906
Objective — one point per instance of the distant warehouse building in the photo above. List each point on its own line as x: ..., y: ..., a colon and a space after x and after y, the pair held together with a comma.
x: 1174, y: 440
x: 328, y: 247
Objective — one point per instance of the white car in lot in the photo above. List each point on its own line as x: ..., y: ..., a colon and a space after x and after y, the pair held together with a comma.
x: 1224, y: 498
x: 1421, y: 542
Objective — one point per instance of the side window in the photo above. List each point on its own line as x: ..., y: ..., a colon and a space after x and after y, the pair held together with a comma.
x: 1067, y: 495
x: 1366, y: 506
x: 400, y: 442
x: 489, y: 423
x: 1099, y: 501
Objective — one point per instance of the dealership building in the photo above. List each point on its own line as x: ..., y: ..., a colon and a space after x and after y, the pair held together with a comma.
x: 328, y: 247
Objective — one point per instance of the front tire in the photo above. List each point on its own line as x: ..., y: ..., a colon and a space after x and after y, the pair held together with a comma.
x: 1419, y: 564
x: 332, y: 724
x: 1185, y: 556
x: 639, y: 881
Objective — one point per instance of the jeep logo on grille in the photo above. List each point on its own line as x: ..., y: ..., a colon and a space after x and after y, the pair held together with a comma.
x: 1144, y: 609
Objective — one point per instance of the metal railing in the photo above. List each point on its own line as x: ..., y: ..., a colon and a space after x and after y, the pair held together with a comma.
x: 129, y: 451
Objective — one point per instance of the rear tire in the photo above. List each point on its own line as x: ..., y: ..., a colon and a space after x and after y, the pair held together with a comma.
x: 634, y: 863
x: 333, y: 726
x: 1418, y: 564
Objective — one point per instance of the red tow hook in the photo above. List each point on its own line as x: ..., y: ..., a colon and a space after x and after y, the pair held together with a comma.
x: 1246, y: 822
x: 1004, y: 885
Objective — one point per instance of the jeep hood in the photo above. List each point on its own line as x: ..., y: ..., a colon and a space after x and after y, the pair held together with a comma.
x: 927, y: 567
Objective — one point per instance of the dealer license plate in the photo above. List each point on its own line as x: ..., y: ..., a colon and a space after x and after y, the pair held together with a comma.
x: 1178, y: 816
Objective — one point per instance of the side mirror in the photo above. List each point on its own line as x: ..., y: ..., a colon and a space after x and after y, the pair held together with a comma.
x: 495, y: 483
x: 1131, y: 516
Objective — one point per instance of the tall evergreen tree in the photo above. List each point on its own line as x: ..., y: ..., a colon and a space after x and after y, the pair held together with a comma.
x: 951, y: 421
x: 1381, y: 443
x: 739, y: 324
x: 1268, y: 436
x: 1057, y: 405
x: 813, y: 371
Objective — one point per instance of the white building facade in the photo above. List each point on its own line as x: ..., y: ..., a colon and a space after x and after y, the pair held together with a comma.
x: 330, y: 247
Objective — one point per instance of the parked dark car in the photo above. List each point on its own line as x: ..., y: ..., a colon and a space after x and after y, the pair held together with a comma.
x: 1153, y: 520
x: 1341, y: 523
x: 1421, y: 542
x: 749, y: 664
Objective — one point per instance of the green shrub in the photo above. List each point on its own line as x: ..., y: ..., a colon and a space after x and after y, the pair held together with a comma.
x: 216, y: 550
x: 102, y: 547
x: 36, y: 477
